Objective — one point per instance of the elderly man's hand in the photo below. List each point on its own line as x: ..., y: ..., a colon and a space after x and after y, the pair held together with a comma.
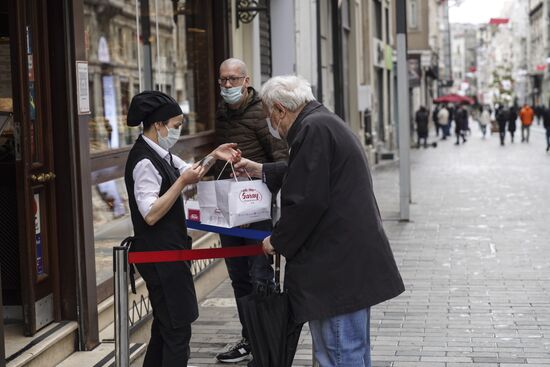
x: 245, y: 166
x: 268, y: 248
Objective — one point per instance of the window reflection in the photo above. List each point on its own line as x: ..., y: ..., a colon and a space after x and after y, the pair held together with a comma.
x: 181, y: 64
x: 180, y: 59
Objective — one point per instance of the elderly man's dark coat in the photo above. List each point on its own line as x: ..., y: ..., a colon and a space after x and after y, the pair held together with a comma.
x: 339, y: 259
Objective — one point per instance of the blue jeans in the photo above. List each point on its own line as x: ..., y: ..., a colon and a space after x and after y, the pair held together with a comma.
x: 343, y: 340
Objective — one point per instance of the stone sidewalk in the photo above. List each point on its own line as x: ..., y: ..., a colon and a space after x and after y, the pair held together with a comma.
x: 474, y: 259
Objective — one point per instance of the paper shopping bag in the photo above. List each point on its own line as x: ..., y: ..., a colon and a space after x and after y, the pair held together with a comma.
x: 231, y: 203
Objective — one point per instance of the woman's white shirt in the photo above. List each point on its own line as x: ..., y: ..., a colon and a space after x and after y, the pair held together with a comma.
x: 147, y: 179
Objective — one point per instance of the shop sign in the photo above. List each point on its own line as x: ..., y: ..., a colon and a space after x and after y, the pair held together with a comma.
x: 413, y: 67
x: 379, y: 53
x: 389, y: 58
x: 38, y: 236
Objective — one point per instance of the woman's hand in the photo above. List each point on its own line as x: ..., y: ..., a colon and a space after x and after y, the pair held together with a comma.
x: 227, y: 152
x: 245, y: 166
x: 193, y: 175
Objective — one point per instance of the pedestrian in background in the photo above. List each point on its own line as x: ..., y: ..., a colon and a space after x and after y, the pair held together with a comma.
x: 422, y: 118
x: 452, y: 111
x: 502, y: 119
x: 443, y: 120
x: 546, y: 120
x: 241, y: 119
x: 526, y: 116
x: 461, y: 124
x: 435, y: 119
x: 539, y: 113
x: 512, y: 117
x: 339, y: 260
x: 484, y: 121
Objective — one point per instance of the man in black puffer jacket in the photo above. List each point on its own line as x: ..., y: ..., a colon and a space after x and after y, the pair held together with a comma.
x: 241, y: 119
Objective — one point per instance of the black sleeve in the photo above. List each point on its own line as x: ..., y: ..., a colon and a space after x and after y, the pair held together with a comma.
x: 306, y: 193
x: 273, y: 173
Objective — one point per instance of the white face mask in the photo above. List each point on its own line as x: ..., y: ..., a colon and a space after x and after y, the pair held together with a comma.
x: 272, y: 130
x: 232, y: 95
x: 171, y: 139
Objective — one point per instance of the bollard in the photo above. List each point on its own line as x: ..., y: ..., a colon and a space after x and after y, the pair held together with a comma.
x: 122, y: 336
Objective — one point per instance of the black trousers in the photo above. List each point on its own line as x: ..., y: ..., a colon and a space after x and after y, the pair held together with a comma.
x: 248, y: 273
x: 168, y: 346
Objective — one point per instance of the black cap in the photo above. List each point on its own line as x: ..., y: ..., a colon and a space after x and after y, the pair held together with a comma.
x: 152, y: 106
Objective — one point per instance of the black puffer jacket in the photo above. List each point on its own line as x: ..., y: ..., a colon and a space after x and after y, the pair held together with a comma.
x: 247, y: 127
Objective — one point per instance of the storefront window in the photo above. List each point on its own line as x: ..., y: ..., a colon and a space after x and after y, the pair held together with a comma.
x: 177, y: 59
x: 180, y: 50
x: 7, y: 147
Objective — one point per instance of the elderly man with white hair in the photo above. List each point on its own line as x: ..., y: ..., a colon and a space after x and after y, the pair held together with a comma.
x: 339, y: 260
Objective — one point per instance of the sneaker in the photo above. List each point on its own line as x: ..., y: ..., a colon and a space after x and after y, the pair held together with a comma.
x: 239, y: 352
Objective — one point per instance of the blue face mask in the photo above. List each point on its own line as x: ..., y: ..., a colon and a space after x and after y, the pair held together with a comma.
x: 232, y: 95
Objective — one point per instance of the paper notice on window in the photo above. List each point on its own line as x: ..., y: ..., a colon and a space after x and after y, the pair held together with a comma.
x: 83, y: 88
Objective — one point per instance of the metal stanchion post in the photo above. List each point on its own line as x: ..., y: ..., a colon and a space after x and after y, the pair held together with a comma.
x: 314, y: 362
x: 122, y: 335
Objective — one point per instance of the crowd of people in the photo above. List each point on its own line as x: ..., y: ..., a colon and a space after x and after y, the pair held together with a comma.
x: 502, y: 118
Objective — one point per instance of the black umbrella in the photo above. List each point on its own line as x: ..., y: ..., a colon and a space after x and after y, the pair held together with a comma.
x: 272, y: 333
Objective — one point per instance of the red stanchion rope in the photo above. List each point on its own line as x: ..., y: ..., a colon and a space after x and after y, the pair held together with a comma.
x: 147, y: 257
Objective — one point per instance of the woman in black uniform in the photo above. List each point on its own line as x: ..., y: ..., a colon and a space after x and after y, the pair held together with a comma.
x: 154, y: 180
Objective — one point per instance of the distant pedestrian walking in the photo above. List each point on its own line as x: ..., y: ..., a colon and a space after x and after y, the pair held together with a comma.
x: 526, y: 116
x: 539, y: 113
x: 443, y: 120
x: 484, y: 120
x: 512, y: 117
x: 461, y: 124
x: 502, y: 119
x: 546, y: 120
x: 435, y: 119
x: 421, y: 119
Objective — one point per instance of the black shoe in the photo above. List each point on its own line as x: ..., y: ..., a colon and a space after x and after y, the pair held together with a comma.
x: 548, y: 148
x: 237, y: 353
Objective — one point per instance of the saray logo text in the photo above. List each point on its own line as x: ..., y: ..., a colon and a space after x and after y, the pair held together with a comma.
x: 250, y: 195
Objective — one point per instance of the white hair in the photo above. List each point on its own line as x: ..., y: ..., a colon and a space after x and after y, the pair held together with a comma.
x: 291, y: 91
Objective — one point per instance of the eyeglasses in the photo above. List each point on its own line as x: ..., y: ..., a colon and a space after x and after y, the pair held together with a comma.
x: 232, y: 80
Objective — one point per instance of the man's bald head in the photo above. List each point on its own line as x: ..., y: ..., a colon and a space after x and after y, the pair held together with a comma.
x: 234, y: 65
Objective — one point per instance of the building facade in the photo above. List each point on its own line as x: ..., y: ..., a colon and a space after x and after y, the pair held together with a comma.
x: 539, y: 48
x: 424, y: 42
x: 68, y: 72
x: 464, y: 41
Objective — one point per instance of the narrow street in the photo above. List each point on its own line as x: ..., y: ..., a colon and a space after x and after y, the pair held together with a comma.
x: 474, y: 259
